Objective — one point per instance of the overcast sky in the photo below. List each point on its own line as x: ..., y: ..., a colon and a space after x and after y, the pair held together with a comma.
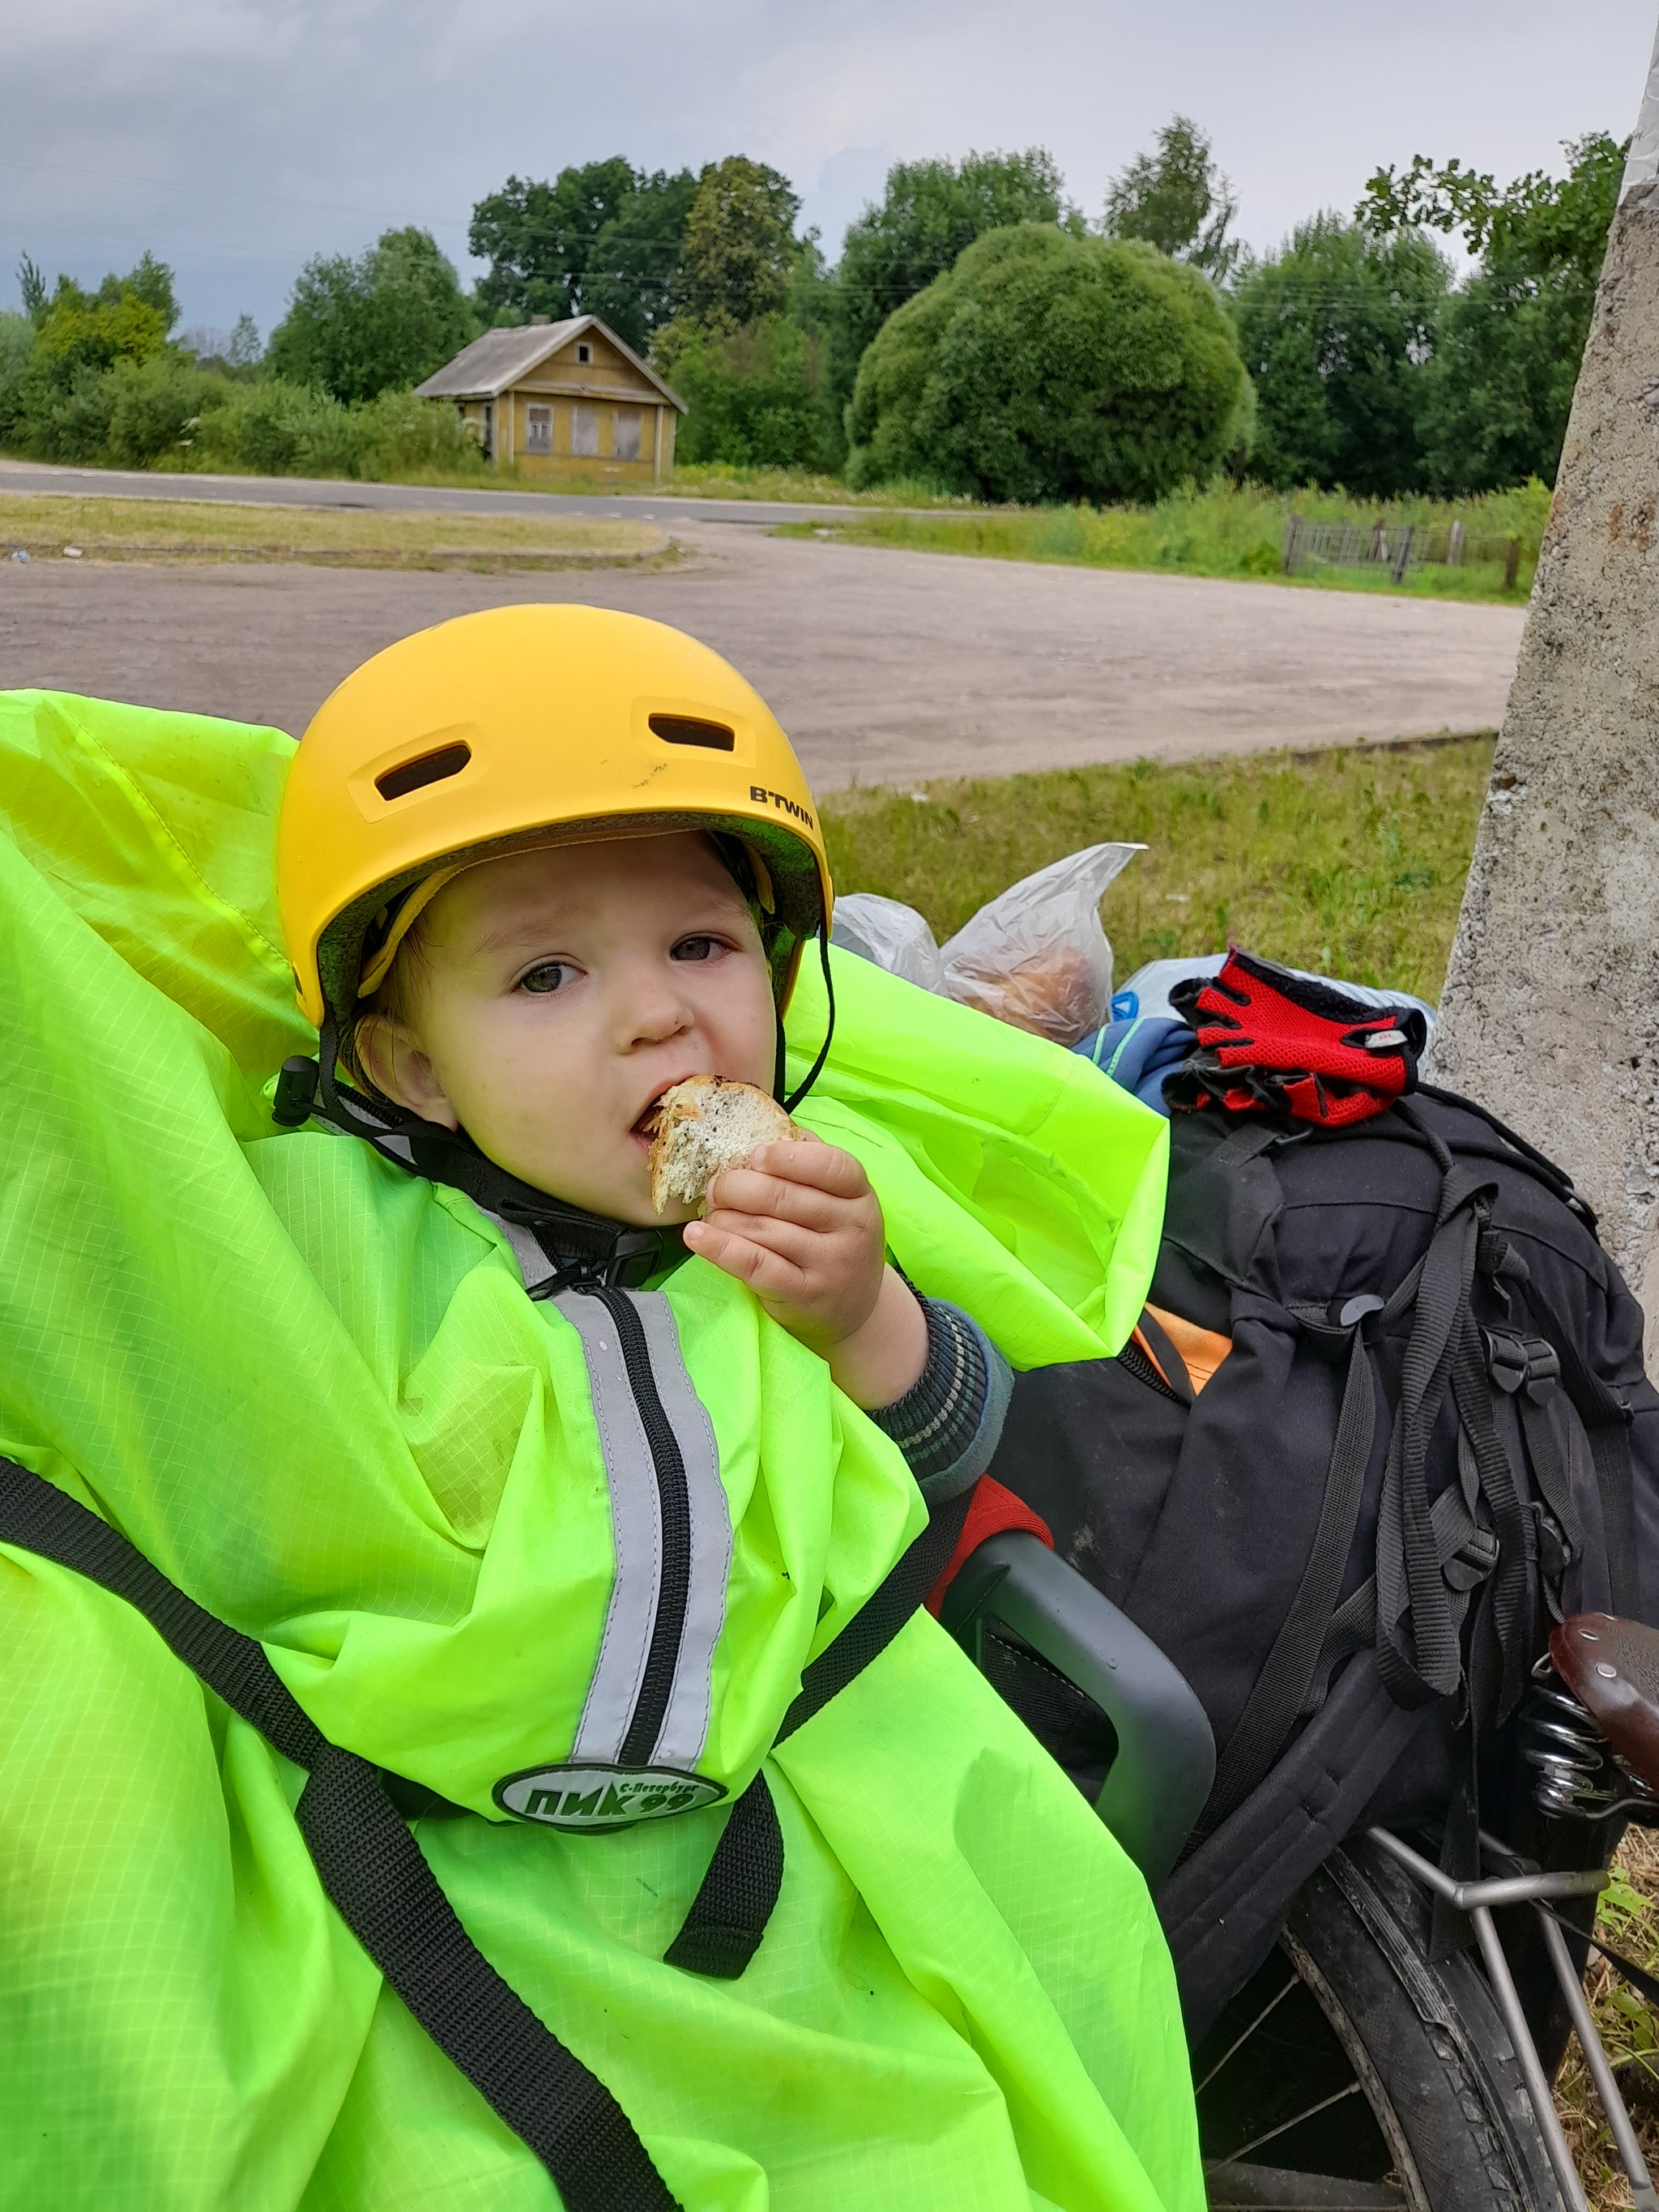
x: 235, y: 137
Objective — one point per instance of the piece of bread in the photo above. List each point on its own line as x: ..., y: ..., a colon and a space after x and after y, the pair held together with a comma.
x: 1054, y: 994
x: 704, y: 1124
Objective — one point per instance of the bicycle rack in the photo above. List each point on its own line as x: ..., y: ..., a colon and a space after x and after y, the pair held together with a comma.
x: 1480, y: 1899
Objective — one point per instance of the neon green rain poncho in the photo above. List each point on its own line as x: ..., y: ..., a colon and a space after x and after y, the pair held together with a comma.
x: 311, y: 1390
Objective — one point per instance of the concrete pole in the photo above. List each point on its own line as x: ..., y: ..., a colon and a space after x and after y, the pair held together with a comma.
x: 1551, y: 1014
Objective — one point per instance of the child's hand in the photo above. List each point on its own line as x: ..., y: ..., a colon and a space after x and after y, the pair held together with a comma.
x: 802, y: 1227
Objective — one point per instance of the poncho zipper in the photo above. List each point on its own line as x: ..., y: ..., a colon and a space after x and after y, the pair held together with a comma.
x: 674, y: 1503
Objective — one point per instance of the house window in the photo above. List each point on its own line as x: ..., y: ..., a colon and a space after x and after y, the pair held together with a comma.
x: 628, y: 422
x: 584, y: 353
x: 585, y: 431
x: 538, y: 430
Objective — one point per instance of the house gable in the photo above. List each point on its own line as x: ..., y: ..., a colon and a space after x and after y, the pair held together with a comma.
x: 546, y: 357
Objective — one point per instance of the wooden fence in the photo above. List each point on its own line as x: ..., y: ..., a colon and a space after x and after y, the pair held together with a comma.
x: 1398, y: 547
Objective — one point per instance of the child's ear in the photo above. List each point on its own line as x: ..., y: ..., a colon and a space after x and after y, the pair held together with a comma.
x: 400, y: 1071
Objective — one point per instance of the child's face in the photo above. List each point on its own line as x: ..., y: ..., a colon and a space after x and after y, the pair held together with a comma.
x: 554, y: 995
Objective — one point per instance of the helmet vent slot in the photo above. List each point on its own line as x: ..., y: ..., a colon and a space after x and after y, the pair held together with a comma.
x: 415, y: 774
x: 682, y: 730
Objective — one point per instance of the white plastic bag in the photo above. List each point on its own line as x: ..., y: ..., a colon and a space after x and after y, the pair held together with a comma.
x: 894, y: 935
x: 1036, y: 956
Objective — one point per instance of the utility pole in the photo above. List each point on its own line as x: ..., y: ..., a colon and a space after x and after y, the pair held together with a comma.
x: 1551, y: 1014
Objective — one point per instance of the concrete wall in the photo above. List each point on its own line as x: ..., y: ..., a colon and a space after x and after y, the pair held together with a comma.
x: 1551, y: 1014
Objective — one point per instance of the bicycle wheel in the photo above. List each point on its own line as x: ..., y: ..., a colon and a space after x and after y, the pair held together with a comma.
x: 1351, y: 2072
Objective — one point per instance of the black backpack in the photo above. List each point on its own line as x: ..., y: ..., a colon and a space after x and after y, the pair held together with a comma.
x: 1431, y: 1434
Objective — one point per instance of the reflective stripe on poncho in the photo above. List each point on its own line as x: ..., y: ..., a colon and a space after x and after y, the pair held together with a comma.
x: 313, y: 1390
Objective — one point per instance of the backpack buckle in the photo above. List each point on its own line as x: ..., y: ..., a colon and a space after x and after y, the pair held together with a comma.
x: 1521, y: 1363
x: 1473, y: 1561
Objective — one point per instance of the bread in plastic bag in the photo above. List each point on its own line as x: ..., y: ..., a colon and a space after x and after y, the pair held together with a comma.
x: 893, y: 935
x: 1037, y: 955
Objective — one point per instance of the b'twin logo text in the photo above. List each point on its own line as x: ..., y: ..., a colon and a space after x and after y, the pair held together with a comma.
x: 595, y: 1796
x: 783, y: 801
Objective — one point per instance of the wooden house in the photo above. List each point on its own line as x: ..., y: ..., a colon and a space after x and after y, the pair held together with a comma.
x: 563, y: 399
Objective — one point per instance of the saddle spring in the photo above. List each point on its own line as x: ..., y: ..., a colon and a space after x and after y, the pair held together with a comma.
x: 1577, y: 1779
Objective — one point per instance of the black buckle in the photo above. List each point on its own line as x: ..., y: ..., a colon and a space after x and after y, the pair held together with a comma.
x: 1521, y: 1363
x: 1473, y: 1561
x: 296, y: 1094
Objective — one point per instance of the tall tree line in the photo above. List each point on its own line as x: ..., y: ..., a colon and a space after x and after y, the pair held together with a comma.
x: 1370, y: 363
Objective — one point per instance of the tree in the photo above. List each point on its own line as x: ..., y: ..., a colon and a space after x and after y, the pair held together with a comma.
x: 1335, y: 330
x: 1046, y: 366
x: 752, y: 394
x: 929, y: 212
x: 602, y: 240
x: 61, y: 408
x: 236, y: 352
x: 245, y: 346
x: 32, y: 286
x: 1177, y: 200
x: 17, y: 358
x: 355, y: 328
x: 1500, y: 386
x: 633, y: 274
x: 740, y: 247
x: 539, y: 238
x: 126, y: 319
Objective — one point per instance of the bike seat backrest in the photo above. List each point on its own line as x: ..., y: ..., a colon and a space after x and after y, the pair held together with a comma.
x: 1612, y: 1666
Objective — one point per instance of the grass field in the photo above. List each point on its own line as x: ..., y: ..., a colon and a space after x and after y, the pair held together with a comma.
x: 46, y: 524
x: 1350, y: 862
x: 1232, y: 531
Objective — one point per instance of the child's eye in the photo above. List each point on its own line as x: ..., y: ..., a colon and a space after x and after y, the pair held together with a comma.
x: 546, y: 975
x: 697, y: 948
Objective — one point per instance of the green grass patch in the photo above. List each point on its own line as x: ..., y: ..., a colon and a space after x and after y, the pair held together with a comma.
x: 1234, y: 530
x: 1349, y: 861
x: 46, y: 524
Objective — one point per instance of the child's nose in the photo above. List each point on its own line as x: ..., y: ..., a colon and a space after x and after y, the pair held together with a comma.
x: 657, y: 1010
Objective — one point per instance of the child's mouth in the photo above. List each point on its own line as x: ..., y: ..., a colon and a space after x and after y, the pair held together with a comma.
x: 644, y: 1129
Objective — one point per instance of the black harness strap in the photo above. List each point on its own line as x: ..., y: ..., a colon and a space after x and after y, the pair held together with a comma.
x: 1607, y: 1420
x: 374, y: 1873
x: 1281, y: 1690
x: 729, y: 1914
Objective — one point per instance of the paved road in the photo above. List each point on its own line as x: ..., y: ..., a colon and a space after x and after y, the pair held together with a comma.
x: 885, y: 667
x: 331, y: 491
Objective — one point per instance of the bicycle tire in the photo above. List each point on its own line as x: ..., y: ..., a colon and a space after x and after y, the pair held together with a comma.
x: 1433, y: 2114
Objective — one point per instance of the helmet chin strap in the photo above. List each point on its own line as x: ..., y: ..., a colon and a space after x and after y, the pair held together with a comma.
x: 558, y: 1245
x: 813, y: 1072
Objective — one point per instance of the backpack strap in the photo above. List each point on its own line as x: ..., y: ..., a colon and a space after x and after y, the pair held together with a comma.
x: 1280, y: 1691
x: 373, y: 1873
x: 728, y: 1917
x: 1606, y: 1418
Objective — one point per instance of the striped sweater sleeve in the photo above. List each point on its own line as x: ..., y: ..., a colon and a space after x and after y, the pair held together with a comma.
x: 948, y: 1423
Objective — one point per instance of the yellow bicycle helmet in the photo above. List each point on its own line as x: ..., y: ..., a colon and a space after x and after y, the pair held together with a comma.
x: 520, y: 727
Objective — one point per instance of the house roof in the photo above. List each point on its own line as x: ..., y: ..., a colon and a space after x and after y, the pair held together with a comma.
x: 499, y: 359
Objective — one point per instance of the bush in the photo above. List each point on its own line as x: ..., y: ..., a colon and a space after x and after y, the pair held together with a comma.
x: 929, y: 212
x: 1047, y: 366
x: 16, y: 357
x: 156, y: 408
x: 752, y: 394
x: 276, y: 429
x: 398, y: 435
x: 72, y: 424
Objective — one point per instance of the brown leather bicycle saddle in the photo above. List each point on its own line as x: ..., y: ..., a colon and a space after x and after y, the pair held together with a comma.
x: 1612, y: 1666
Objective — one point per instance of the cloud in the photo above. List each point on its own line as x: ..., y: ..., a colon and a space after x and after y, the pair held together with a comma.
x: 235, y: 137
